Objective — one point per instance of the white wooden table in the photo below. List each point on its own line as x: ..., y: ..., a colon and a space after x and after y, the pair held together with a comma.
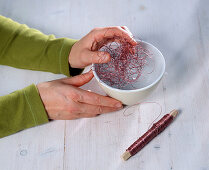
x: 180, y: 29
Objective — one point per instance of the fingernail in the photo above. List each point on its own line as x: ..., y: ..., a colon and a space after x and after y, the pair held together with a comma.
x: 134, y: 40
x: 106, y: 57
x: 118, y: 105
x: 103, y: 59
x: 119, y: 108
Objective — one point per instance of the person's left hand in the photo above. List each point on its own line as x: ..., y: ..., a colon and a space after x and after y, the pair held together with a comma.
x: 85, y: 51
x: 63, y: 99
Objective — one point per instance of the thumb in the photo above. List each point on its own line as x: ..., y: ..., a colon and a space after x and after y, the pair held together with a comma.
x: 97, y: 57
x: 79, y: 80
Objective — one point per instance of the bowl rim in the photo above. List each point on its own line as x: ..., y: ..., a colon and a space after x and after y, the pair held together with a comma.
x: 133, y: 90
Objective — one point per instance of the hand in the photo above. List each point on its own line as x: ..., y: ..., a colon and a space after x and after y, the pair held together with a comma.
x: 84, y: 52
x: 64, y: 100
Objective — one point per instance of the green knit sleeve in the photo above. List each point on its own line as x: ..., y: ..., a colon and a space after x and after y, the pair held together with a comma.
x: 27, y: 48
x: 20, y: 110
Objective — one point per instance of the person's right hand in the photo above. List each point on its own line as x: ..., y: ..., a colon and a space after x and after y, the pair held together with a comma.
x: 85, y: 51
x: 64, y: 100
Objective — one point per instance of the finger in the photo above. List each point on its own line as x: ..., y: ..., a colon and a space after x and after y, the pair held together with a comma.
x: 111, y: 32
x: 88, y: 110
x: 96, y: 99
x: 96, y: 57
x: 126, y: 28
x: 80, y: 79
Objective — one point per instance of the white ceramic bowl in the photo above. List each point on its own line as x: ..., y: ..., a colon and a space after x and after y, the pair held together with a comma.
x: 143, y: 87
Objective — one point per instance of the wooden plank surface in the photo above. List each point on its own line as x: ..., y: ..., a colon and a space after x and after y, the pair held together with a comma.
x: 180, y: 29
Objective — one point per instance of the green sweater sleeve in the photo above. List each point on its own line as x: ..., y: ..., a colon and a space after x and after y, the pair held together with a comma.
x: 26, y: 48
x: 20, y: 110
